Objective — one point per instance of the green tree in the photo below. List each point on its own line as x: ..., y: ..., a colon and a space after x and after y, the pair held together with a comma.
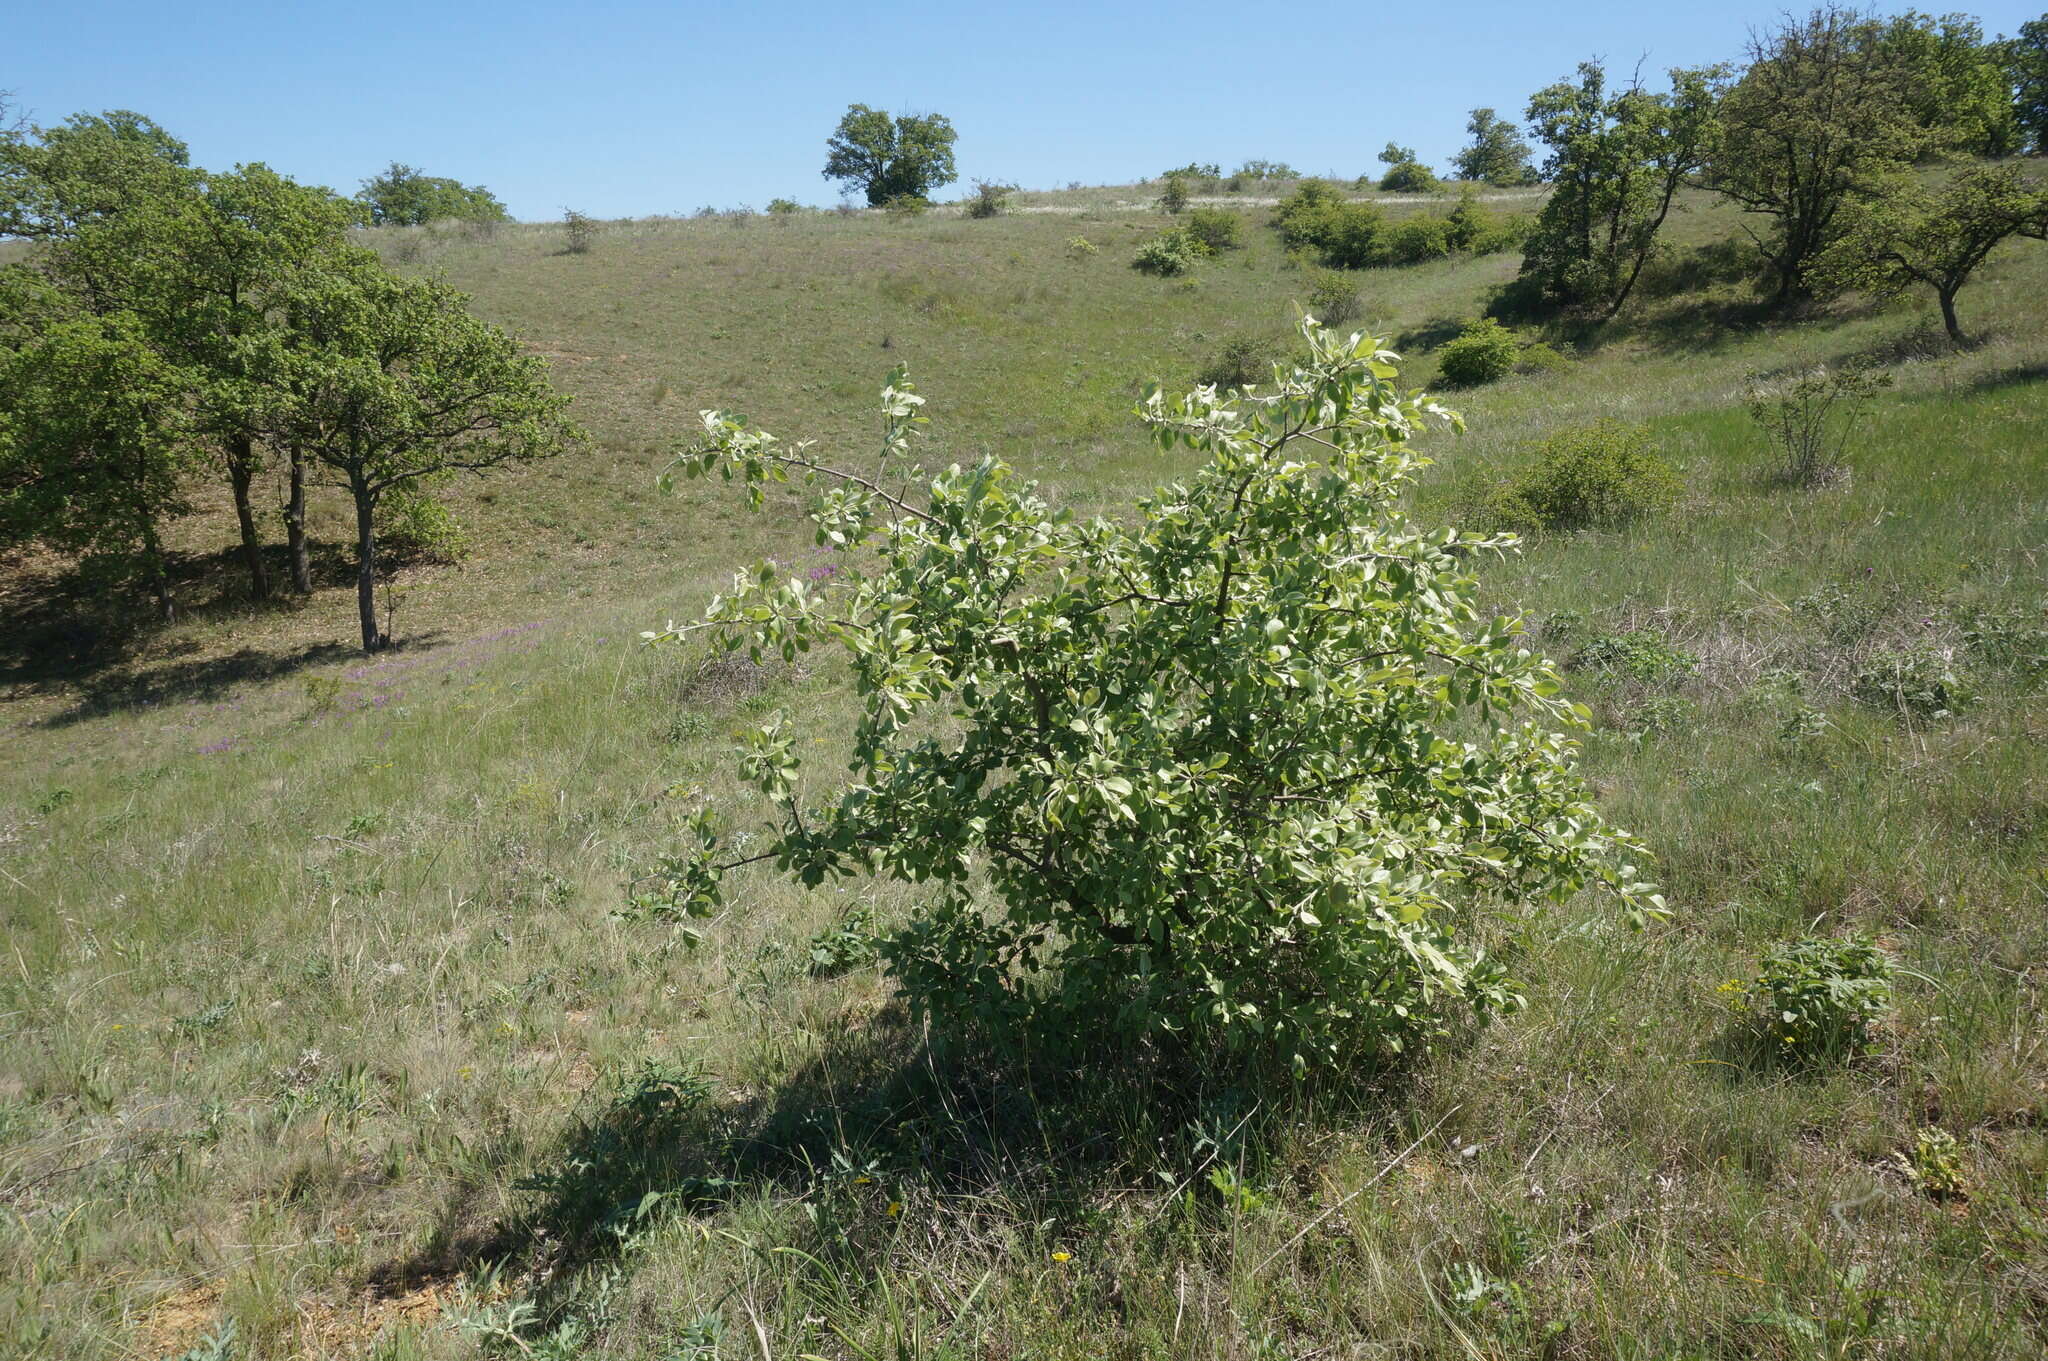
x: 2026, y: 68
x: 1617, y: 161
x: 89, y: 168
x: 1405, y: 174
x: 405, y: 196
x: 204, y: 269
x: 1905, y: 235
x: 889, y: 158
x: 1957, y: 83
x: 95, y: 448
x: 1824, y: 109
x: 1234, y: 769
x: 1497, y: 155
x: 384, y: 383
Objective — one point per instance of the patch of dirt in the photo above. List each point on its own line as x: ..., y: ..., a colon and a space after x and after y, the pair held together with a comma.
x: 175, y: 1322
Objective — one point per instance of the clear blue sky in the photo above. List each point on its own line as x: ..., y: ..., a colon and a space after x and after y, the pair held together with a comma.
x: 625, y: 109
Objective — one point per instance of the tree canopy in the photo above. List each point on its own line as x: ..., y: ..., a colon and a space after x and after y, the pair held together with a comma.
x: 383, y: 382
x: 1617, y: 160
x: 405, y: 196
x: 890, y: 158
x: 1903, y: 234
x: 1497, y: 154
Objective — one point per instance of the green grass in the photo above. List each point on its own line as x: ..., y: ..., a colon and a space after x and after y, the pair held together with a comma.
x: 314, y: 965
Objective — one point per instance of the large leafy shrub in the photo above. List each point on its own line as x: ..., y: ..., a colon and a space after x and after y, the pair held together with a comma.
x: 1235, y: 771
x: 1483, y: 352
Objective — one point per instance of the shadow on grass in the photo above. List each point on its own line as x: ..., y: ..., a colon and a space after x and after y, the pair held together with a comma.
x: 65, y: 631
x: 1431, y: 335
x: 879, y: 1118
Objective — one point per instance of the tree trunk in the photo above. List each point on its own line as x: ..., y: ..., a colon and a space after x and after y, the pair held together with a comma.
x: 242, y: 472
x: 1948, y: 316
x: 159, y: 574
x: 366, y: 568
x: 295, y: 527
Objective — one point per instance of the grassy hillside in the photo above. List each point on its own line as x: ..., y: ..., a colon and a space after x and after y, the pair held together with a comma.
x: 322, y: 1015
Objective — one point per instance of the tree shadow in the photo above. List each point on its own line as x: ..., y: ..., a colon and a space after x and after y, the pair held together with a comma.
x: 1430, y: 335
x: 879, y: 1116
x: 65, y: 630
x: 2013, y: 375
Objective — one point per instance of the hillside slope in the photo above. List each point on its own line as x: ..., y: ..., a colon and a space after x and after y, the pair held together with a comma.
x: 324, y: 1014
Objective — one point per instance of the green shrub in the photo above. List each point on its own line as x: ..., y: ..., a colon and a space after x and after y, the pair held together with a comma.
x: 1409, y: 177
x: 1594, y: 476
x: 1242, y: 361
x: 1168, y: 254
x: 1419, y: 240
x: 1080, y: 248
x: 783, y: 207
x: 1821, y: 994
x: 1127, y: 702
x: 906, y: 206
x: 1483, y: 352
x: 413, y: 527
x: 989, y: 198
x: 1541, y: 358
x: 1641, y: 655
x: 1218, y: 229
x: 1913, y: 682
x: 579, y: 231
x: 1174, y: 199
x: 1333, y: 297
x: 1345, y: 235
x: 1302, y: 218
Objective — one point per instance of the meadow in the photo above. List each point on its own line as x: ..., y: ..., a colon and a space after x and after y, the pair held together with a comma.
x: 330, y: 1027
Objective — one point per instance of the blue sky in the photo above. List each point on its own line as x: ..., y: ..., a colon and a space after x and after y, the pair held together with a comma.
x: 627, y: 109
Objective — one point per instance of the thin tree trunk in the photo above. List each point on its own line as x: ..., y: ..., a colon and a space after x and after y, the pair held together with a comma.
x: 1948, y: 316
x: 242, y: 472
x: 159, y: 575
x: 295, y: 527
x: 366, y: 568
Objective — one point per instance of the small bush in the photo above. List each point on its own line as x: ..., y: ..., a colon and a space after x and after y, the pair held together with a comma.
x: 1541, y: 358
x: 1168, y: 254
x: 1595, y: 476
x: 412, y: 527
x: 1080, y: 248
x: 1916, y: 682
x: 1333, y: 297
x: 1218, y: 229
x: 1821, y: 994
x: 1409, y: 177
x: 1175, y: 197
x: 1811, y: 417
x: 783, y: 207
x: 1242, y: 361
x: 989, y: 198
x: 580, y: 231
x: 1484, y: 352
x: 906, y: 206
